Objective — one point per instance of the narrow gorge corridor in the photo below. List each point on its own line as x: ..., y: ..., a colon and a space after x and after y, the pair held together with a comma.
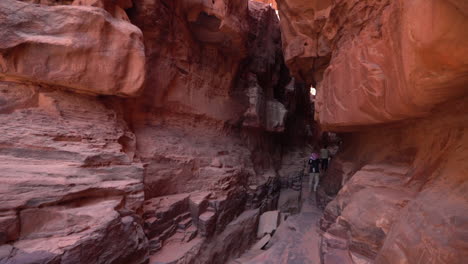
x: 185, y: 131
x: 297, y: 240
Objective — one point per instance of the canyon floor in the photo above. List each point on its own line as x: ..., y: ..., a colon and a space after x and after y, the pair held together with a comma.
x: 297, y: 240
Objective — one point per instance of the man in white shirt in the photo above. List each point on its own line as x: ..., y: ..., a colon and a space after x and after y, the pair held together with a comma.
x: 324, y: 156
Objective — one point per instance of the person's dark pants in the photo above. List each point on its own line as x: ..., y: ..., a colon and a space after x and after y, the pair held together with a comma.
x: 324, y: 164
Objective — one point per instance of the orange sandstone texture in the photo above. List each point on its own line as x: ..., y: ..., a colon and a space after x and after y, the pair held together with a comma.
x: 67, y: 179
x: 193, y: 49
x: 306, y: 48
x: 415, y: 59
x: 79, y: 48
x: 376, y: 61
x: 187, y: 164
x: 69, y: 185
x: 404, y: 199
x: 215, y: 86
x: 395, y: 75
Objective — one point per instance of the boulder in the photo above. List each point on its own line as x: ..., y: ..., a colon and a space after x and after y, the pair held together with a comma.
x: 60, y: 233
x: 232, y: 241
x: 262, y: 242
x: 198, y: 204
x: 268, y: 114
x: 366, y: 206
x: 275, y: 116
x: 268, y: 223
x: 207, y: 223
x: 289, y: 201
x: 166, y: 207
x: 164, y: 215
x: 79, y: 48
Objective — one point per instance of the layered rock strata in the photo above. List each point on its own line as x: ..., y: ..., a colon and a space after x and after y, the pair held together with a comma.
x: 88, y: 177
x: 204, y: 126
x: 68, y: 179
x: 70, y: 188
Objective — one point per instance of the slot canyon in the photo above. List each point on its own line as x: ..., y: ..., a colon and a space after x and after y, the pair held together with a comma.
x: 184, y: 131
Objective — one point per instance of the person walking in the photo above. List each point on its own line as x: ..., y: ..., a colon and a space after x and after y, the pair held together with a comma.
x: 324, y: 156
x: 314, y: 164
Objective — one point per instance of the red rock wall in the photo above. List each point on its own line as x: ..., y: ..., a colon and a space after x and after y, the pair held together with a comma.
x: 376, y: 61
x: 91, y: 177
x: 399, y: 62
x: 56, y: 46
x: 69, y: 184
x: 195, y: 95
x: 193, y: 53
x: 393, y: 76
x: 403, y: 190
x: 215, y: 91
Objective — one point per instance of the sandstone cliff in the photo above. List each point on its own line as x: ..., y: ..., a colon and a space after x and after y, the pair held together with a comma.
x: 393, y: 75
x: 90, y: 175
x: 156, y: 131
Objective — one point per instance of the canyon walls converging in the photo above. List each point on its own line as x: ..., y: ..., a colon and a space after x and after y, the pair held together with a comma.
x: 158, y: 131
x: 393, y: 77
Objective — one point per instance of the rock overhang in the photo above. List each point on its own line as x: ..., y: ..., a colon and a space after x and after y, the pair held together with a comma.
x: 80, y: 48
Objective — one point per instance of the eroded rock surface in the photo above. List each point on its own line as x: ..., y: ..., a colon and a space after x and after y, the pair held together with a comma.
x: 389, y: 63
x: 383, y: 71
x: 193, y: 126
x: 193, y: 51
x: 66, y: 180
x: 79, y: 48
x: 115, y: 8
x: 409, y: 84
x: 183, y: 171
x: 178, y: 173
x: 390, y: 208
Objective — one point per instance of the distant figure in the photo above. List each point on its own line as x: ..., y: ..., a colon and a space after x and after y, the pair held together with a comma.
x: 308, y: 130
x: 314, y: 164
x: 324, y: 156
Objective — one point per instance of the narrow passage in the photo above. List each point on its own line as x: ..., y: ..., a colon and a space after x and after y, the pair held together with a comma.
x: 297, y: 240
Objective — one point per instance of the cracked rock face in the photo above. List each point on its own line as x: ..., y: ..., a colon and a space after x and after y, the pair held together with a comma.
x: 66, y: 179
